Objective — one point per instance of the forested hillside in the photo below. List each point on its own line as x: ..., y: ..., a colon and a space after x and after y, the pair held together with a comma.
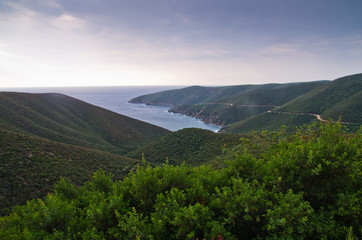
x: 305, y: 185
x: 192, y: 146
x: 71, y: 121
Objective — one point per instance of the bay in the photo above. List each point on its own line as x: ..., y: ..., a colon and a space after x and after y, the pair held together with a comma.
x: 116, y: 99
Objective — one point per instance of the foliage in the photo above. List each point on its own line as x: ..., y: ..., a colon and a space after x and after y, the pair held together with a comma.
x: 305, y: 185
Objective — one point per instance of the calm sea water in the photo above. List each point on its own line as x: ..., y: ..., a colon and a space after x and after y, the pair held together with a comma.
x: 116, y: 99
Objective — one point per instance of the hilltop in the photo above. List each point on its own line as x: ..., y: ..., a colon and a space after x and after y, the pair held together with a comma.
x: 68, y: 120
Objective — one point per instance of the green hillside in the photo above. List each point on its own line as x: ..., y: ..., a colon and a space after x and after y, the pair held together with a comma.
x: 192, y: 146
x: 269, y: 121
x: 30, y: 166
x: 350, y: 109
x: 68, y: 120
x: 341, y: 97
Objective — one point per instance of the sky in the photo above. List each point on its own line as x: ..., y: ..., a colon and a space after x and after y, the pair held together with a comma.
x: 53, y: 43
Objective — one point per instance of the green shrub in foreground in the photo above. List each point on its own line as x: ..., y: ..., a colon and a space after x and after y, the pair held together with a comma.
x: 274, y: 186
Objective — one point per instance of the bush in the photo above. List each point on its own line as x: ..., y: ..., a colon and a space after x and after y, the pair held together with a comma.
x: 305, y: 185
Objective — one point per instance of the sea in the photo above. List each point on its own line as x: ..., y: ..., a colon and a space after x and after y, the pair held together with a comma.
x: 116, y: 99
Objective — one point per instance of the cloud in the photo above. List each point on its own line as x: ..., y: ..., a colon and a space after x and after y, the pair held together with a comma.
x: 21, y: 17
x: 82, y: 45
x: 280, y: 49
x: 50, y: 3
x: 183, y: 19
x: 66, y: 21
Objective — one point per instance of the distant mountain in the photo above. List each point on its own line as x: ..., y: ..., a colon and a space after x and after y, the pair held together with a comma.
x: 339, y: 98
x: 246, y: 108
x: 192, y: 146
x: 227, y: 105
x: 30, y: 166
x: 68, y: 120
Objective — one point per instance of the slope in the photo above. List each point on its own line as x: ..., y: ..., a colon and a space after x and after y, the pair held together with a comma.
x: 327, y: 96
x: 69, y: 120
x: 191, y: 145
x: 29, y: 166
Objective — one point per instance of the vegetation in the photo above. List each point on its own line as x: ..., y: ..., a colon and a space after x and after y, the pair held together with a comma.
x: 305, y: 185
x: 30, y: 166
x: 270, y: 121
x: 64, y: 119
x: 192, y: 146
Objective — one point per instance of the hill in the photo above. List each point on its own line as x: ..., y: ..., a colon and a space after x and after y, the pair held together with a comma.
x: 68, y: 120
x: 341, y: 97
x: 30, y: 166
x: 192, y: 146
x: 226, y: 105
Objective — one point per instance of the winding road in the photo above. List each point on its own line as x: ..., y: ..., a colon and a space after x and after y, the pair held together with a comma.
x: 318, y: 116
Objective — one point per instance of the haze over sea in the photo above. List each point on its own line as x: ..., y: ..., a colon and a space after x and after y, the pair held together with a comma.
x: 116, y: 99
